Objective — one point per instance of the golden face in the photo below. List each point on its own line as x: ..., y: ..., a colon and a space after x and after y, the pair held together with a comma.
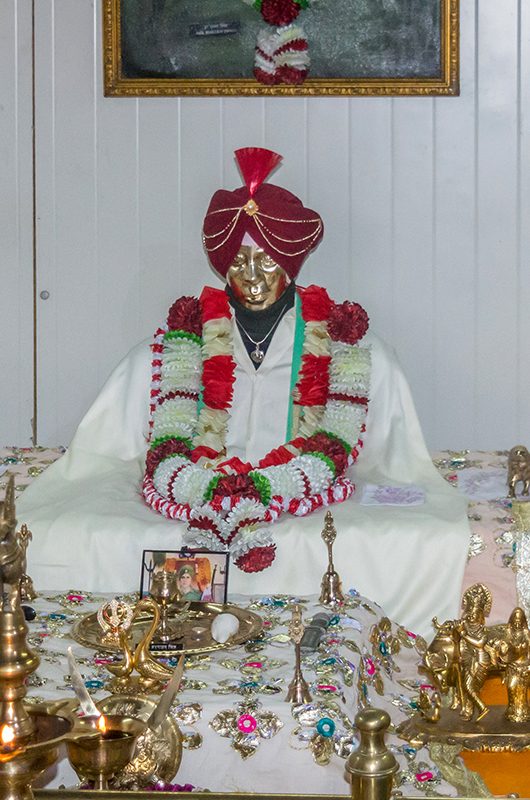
x: 255, y: 279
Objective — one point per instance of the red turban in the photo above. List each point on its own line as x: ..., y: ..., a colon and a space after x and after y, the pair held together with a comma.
x: 273, y: 217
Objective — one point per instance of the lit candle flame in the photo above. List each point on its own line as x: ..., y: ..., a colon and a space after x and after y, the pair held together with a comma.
x: 7, y: 734
x: 102, y: 724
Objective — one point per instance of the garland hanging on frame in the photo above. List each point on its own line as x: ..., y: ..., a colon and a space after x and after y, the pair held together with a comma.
x: 282, y: 51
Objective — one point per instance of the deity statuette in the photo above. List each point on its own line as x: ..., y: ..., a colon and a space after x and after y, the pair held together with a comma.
x: 331, y: 586
x: 462, y: 656
x: 518, y: 469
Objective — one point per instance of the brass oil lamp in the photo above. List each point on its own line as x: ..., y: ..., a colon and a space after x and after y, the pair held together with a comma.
x: 29, y: 739
x: 98, y: 758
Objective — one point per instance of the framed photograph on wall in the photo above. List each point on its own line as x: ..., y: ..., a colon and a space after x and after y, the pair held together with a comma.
x: 202, y: 575
x: 286, y: 47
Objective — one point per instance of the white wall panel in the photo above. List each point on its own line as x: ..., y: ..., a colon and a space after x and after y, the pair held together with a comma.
x: 371, y: 204
x: 426, y: 205
x: 497, y: 179
x: 16, y: 253
x: 454, y: 253
x: 328, y: 187
x: 522, y: 301
x: 413, y: 236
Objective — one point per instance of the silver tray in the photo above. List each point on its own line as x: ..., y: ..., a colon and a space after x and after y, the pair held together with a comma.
x: 88, y: 632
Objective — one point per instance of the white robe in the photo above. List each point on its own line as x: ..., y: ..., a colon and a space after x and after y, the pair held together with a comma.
x: 90, y: 523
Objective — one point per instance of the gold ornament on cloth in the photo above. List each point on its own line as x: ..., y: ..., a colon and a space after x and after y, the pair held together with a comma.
x: 298, y: 691
x: 246, y: 726
x: 462, y: 655
x: 518, y: 469
x: 331, y: 586
x: 332, y: 730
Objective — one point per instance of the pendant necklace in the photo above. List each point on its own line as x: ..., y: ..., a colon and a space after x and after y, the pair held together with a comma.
x: 257, y: 355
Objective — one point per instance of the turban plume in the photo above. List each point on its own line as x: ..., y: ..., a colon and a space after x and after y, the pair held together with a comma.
x: 273, y: 217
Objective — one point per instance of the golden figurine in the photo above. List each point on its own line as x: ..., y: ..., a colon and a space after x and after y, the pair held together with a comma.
x: 430, y: 704
x: 26, y: 588
x: 331, y: 586
x: 114, y: 617
x: 298, y: 691
x: 476, y: 655
x: 151, y: 673
x: 463, y: 654
x: 518, y: 469
x: 515, y: 653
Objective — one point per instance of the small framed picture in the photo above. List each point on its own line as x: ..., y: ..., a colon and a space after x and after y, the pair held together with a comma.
x: 202, y: 575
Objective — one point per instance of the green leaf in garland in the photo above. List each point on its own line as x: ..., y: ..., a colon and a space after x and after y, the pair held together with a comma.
x: 183, y: 335
x: 325, y: 459
x: 169, y: 438
x: 263, y: 485
x: 210, y: 489
x: 348, y: 447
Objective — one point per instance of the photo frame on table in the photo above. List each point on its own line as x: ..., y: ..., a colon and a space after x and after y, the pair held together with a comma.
x: 355, y: 47
x: 202, y: 575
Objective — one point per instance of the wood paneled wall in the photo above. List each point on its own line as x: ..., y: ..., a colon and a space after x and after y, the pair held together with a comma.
x: 16, y: 224
x: 426, y: 204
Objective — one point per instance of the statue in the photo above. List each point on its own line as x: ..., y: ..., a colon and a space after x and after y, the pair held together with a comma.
x: 462, y: 653
x: 518, y: 469
x: 477, y: 655
x: 515, y: 654
x: 256, y: 404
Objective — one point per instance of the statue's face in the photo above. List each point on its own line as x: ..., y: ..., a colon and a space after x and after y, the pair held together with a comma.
x: 518, y: 619
x: 255, y: 279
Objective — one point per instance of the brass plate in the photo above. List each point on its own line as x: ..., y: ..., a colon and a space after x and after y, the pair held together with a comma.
x: 163, y: 746
x: 87, y: 630
x: 493, y: 732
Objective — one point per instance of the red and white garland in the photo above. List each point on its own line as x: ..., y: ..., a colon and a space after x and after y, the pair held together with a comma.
x: 282, y: 51
x: 226, y: 501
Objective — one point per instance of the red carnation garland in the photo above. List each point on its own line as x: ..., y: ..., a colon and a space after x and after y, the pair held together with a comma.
x: 234, y: 482
x: 281, y: 54
x: 279, y: 12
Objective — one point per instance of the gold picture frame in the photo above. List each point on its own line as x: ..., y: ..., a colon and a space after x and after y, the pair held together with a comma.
x: 124, y: 78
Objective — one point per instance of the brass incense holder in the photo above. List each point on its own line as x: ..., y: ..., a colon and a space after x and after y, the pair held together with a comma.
x: 372, y: 766
x: 298, y: 691
x: 331, y: 587
x: 104, y: 752
x: 462, y: 656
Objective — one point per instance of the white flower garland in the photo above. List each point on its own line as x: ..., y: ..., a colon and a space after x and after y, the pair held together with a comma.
x: 178, y: 488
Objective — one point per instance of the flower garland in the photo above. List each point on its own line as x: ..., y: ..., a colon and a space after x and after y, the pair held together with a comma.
x: 282, y: 53
x: 226, y: 501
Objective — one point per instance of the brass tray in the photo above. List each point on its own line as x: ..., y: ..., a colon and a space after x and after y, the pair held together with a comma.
x: 88, y: 632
